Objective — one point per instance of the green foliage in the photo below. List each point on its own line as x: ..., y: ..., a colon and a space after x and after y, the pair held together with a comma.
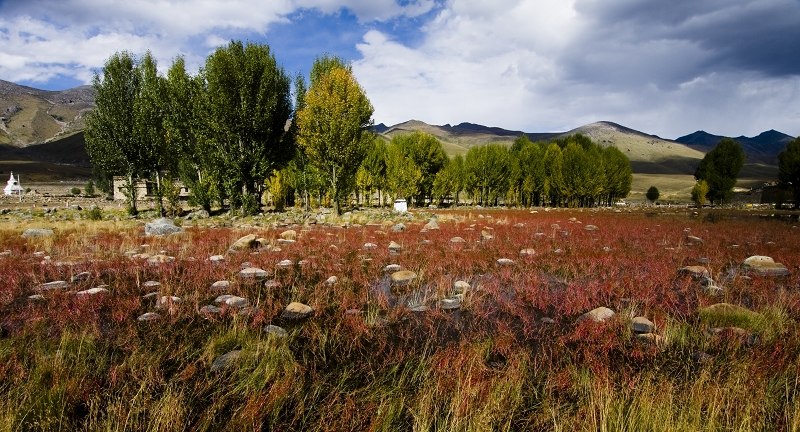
x: 450, y: 180
x: 75, y: 191
x: 789, y: 168
x: 89, y: 189
x: 332, y: 124
x: 248, y: 102
x: 699, y: 192
x: 371, y: 175
x: 403, y: 176
x: 427, y: 154
x: 488, y: 172
x: 94, y: 213
x: 652, y: 194
x: 719, y: 168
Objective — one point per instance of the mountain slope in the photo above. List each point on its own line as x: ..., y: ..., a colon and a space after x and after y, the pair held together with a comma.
x: 29, y: 116
x: 761, y: 149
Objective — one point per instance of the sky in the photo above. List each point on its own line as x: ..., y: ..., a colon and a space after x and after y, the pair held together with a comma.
x: 729, y: 67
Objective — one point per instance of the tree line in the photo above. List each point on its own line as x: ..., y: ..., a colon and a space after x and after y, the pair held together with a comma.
x: 236, y: 130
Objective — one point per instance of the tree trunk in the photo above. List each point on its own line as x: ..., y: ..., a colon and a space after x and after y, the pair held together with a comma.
x: 159, y: 195
x: 336, y: 210
x: 132, y: 195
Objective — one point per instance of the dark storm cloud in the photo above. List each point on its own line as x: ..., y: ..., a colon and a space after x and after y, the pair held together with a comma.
x: 761, y: 36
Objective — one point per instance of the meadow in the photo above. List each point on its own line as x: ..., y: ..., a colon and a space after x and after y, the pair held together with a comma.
x: 468, y: 342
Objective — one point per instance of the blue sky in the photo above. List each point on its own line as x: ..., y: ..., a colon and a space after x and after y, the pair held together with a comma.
x: 669, y: 68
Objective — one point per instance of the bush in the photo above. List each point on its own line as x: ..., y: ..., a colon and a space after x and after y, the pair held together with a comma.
x: 75, y: 191
x: 89, y: 189
x: 653, y: 194
x: 94, y: 213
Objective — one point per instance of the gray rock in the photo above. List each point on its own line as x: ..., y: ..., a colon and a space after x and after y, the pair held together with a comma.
x: 693, y: 240
x: 391, y: 268
x: 289, y: 235
x: 160, y: 259
x: 395, y: 247
x: 591, y: 227
x: 93, y: 291
x: 370, y: 246
x: 225, y: 360
x: 642, y: 325
x: 460, y: 287
x: 244, y: 243
x: 210, y: 310
x: 297, y: 311
x: 151, y: 284
x: 220, y: 285
x: 331, y: 281
x: 80, y: 277
x: 36, y: 297
x: 276, y: 331
x: 403, y: 277
x: 400, y: 227
x: 285, y: 264
x: 161, y: 227
x: 149, y: 316
x: 252, y: 273
x: 167, y: 301
x: 696, y: 272
x: 451, y: 303
x: 457, y: 240
x: 232, y: 301
x: 765, y: 266
x: 505, y: 261
x: 649, y: 338
x: 37, y: 232
x: 600, y: 314
x: 54, y: 285
x: 216, y: 258
x: 527, y: 252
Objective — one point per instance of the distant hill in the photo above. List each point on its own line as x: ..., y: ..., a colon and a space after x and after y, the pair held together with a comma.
x: 29, y: 116
x: 760, y: 149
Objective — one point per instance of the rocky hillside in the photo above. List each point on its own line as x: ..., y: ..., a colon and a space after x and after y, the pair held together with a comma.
x: 30, y: 116
x: 760, y: 149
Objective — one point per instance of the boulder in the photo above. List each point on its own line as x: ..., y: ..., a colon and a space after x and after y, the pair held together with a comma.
x: 149, y: 316
x: 591, y: 227
x: 54, y: 285
x: 693, y: 240
x: 285, y: 263
x: 395, y: 247
x: 80, y: 277
x: 391, y: 268
x: 696, y: 272
x: 216, y: 258
x: 505, y: 262
x: 641, y: 325
x: 252, y: 273
x: 210, y: 310
x: 161, y: 227
x: 220, y: 285
x: 431, y: 225
x: 403, y: 277
x: 527, y: 252
x: 167, y: 301
x: 765, y: 266
x: 600, y: 314
x: 370, y: 246
x: 276, y: 331
x: 244, y: 243
x: 93, y: 291
x: 289, y: 235
x: 37, y: 232
x: 457, y: 240
x: 160, y: 259
x: 297, y: 311
x: 400, y: 227
x: 225, y: 360
x: 460, y: 287
x: 451, y: 303
x: 232, y: 301
x: 331, y: 281
x: 151, y: 284
x: 486, y: 235
x: 649, y: 338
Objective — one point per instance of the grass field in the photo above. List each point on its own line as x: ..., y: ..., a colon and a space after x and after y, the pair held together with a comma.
x: 471, y: 343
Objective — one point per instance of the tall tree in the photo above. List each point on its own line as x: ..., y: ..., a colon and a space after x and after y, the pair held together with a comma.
x: 249, y: 104
x: 427, y: 154
x: 789, y: 168
x: 488, y: 170
x: 185, y: 120
x: 371, y: 174
x: 111, y: 140
x: 618, y: 174
x: 719, y: 168
x: 332, y: 125
x: 553, y: 168
x: 403, y: 176
x: 652, y: 194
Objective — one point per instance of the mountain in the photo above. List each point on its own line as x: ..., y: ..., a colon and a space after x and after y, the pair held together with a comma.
x: 460, y: 138
x: 761, y: 149
x: 30, y: 116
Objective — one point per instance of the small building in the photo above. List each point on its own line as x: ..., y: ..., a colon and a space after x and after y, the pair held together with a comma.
x: 13, y: 187
x: 400, y: 205
x: 145, y: 189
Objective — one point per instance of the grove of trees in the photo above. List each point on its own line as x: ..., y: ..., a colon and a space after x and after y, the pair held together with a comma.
x: 789, y: 169
x: 720, y: 168
x: 234, y: 131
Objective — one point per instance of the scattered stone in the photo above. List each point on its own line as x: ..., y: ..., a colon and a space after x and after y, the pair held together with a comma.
x: 600, y: 314
x: 93, y: 291
x: 451, y: 303
x: 418, y: 308
x: 276, y: 331
x: 694, y: 241
x: 505, y: 261
x: 232, y: 301
x: 272, y: 284
x: 5, y: 253
x: 161, y: 227
x: 149, y: 316
x: 591, y: 227
x: 403, y: 277
x: 150, y: 295
x: 431, y: 225
x: 285, y: 263
x: 167, y: 301
x: 400, y: 227
x: 80, y: 277
x: 391, y: 268
x: 370, y: 246
x: 244, y: 243
x: 220, y: 285
x: 297, y: 311
x: 519, y: 225
x: 765, y: 266
x: 527, y: 252
x: 642, y: 325
x: 331, y: 281
x: 54, y: 285
x: 696, y: 272
x: 151, y: 284
x: 547, y: 320
x: 289, y: 235
x: 216, y: 258
x: 252, y: 273
x: 486, y: 236
x: 36, y: 297
x: 210, y: 310
x: 457, y: 240
x: 160, y: 259
x: 460, y: 287
x: 37, y: 232
x: 395, y: 247
x: 225, y: 360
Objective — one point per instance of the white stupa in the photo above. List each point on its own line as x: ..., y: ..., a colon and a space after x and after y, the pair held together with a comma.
x: 13, y: 187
